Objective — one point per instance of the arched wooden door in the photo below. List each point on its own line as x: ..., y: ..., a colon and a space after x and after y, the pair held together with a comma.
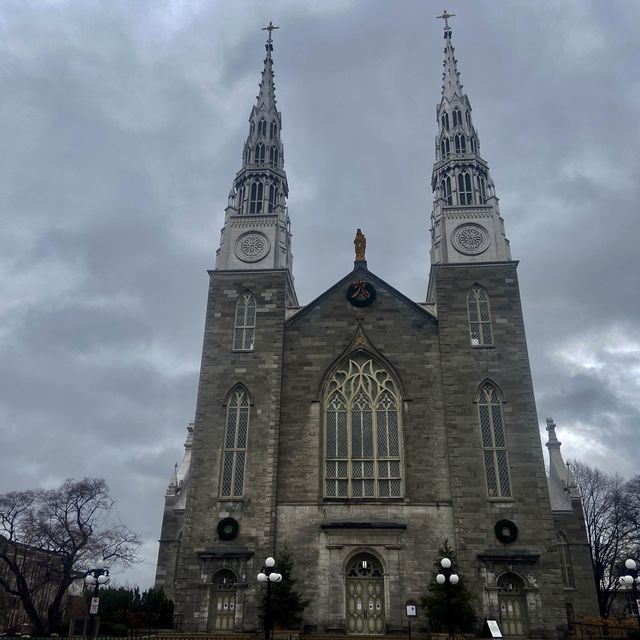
x: 513, y: 606
x: 223, y: 601
x: 365, y: 595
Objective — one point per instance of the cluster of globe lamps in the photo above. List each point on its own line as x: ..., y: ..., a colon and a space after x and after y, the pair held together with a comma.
x: 632, y: 580
x: 266, y: 575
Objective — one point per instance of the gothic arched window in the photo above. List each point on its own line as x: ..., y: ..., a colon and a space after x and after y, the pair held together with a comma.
x: 362, y: 432
x: 273, y: 197
x: 235, y: 444
x: 461, y: 143
x: 444, y: 147
x: 273, y: 130
x: 244, y: 327
x: 255, y: 197
x: 465, y: 193
x: 482, y: 188
x: 445, y: 120
x: 457, y: 117
x: 472, y: 143
x: 259, y: 153
x: 262, y: 127
x: 252, y: 127
x: 242, y: 199
x: 479, y: 317
x: 494, y: 446
x: 565, y: 561
x: 446, y: 190
x: 273, y: 155
x: 467, y: 116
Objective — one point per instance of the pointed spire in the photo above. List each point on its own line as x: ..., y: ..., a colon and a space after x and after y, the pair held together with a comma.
x: 267, y: 94
x: 257, y: 230
x: 461, y: 182
x: 450, y: 76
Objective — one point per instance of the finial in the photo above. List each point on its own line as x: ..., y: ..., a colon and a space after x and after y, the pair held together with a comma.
x: 360, y: 243
x: 270, y: 28
x: 445, y: 16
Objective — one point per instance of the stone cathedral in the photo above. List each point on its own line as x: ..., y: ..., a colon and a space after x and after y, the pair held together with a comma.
x: 364, y: 429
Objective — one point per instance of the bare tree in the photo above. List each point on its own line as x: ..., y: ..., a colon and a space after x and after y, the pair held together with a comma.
x: 49, y: 537
x: 611, y: 509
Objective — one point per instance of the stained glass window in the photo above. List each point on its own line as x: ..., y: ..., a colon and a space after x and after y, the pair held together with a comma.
x: 245, y: 322
x: 496, y: 460
x: 362, y: 432
x: 565, y: 561
x: 235, y: 444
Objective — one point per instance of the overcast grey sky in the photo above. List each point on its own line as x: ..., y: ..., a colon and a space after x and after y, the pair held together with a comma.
x: 122, y: 126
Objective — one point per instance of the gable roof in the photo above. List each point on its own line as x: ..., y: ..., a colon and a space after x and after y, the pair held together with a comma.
x: 360, y: 272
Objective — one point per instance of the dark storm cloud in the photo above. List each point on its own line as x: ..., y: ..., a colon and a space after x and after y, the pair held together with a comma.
x: 122, y: 127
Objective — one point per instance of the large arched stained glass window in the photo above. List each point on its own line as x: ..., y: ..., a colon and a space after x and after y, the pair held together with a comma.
x: 245, y: 322
x: 235, y: 444
x: 494, y: 445
x: 362, y: 432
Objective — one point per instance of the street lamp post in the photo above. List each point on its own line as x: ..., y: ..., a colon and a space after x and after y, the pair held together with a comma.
x: 269, y: 574
x: 95, y: 578
x: 632, y: 580
x: 448, y: 577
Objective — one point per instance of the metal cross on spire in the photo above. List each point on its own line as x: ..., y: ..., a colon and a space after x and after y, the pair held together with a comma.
x: 270, y: 29
x: 445, y: 16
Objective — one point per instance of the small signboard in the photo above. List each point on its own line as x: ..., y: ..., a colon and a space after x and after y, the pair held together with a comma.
x: 491, y: 629
x: 412, y: 611
x: 93, y: 609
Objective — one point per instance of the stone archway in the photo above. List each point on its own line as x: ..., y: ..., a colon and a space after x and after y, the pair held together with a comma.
x: 512, y: 605
x: 365, y: 595
x: 222, y: 610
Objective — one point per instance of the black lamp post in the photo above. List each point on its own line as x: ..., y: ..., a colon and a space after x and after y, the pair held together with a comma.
x: 632, y: 580
x: 447, y: 577
x: 95, y: 578
x: 268, y: 574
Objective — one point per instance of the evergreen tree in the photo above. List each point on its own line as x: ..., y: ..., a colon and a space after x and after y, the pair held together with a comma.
x: 287, y: 605
x: 463, y: 617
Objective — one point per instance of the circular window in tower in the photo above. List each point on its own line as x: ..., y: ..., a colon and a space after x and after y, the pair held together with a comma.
x: 252, y: 246
x: 471, y: 239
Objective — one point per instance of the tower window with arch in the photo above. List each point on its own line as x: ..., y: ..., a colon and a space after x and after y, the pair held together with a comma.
x: 255, y: 197
x: 445, y: 120
x: 362, y: 432
x: 465, y: 192
x: 482, y: 188
x: 461, y: 143
x: 262, y: 127
x: 494, y: 446
x: 479, y: 317
x: 259, y: 153
x: 242, y: 198
x: 467, y: 117
x: 446, y: 190
x: 273, y: 130
x: 457, y: 117
x: 273, y: 156
x: 245, y: 322
x: 252, y: 127
x: 445, y: 149
x: 565, y: 561
x: 235, y: 444
x: 273, y: 197
x: 472, y: 144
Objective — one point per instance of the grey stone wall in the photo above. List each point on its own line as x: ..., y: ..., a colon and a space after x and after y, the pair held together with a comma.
x: 260, y: 370
x: 507, y: 364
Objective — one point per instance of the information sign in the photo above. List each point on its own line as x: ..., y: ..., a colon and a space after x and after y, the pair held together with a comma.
x: 93, y: 609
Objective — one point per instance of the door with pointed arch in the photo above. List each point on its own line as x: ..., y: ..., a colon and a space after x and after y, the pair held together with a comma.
x: 223, y: 601
x: 512, y: 603
x: 365, y: 595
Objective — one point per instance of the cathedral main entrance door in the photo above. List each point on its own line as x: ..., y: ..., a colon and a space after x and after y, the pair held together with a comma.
x: 512, y: 605
x: 365, y: 596
x: 223, y: 602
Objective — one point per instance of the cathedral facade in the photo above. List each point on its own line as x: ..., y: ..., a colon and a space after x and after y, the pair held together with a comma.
x: 364, y: 429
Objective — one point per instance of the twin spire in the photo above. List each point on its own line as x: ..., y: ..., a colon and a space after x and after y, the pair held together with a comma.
x: 465, y: 223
